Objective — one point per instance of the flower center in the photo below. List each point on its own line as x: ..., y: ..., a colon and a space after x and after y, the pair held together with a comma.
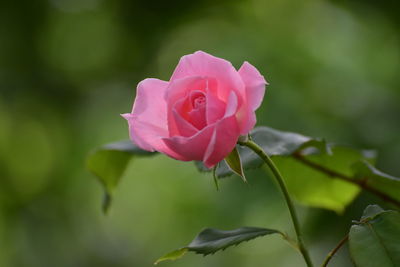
x: 196, y: 115
x: 199, y: 102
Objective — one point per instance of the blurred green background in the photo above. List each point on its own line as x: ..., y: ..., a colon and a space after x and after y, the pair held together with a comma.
x: 68, y: 68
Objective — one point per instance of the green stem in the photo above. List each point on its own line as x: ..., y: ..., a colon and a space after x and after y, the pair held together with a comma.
x: 331, y: 253
x: 260, y: 152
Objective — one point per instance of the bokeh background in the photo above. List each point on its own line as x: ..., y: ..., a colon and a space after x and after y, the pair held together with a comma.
x: 68, y: 68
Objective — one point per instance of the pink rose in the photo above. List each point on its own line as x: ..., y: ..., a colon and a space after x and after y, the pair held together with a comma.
x: 200, y: 113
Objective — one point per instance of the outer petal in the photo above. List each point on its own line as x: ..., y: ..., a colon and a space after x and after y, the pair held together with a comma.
x: 254, y: 83
x: 255, y: 89
x: 203, y: 64
x: 224, y: 139
x: 148, y: 120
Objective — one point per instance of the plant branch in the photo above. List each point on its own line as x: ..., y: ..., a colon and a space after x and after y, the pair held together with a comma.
x: 333, y: 251
x: 361, y: 183
x: 260, y: 152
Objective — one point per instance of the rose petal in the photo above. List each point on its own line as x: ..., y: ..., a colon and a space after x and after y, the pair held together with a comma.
x: 149, y: 91
x: 231, y: 105
x: 255, y: 89
x: 254, y: 83
x: 223, y: 141
x: 191, y: 148
x: 148, y: 121
x: 190, y: 117
x: 183, y: 126
x: 180, y: 88
x: 215, y: 108
x: 176, y: 91
x: 203, y: 64
x: 197, y: 117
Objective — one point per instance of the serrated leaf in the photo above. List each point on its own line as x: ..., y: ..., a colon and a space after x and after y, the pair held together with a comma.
x: 235, y: 163
x: 375, y: 240
x: 212, y: 240
x: 308, y: 186
x: 108, y: 164
x: 374, y: 178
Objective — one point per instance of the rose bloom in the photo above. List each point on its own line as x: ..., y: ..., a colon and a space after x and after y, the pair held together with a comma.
x: 200, y: 113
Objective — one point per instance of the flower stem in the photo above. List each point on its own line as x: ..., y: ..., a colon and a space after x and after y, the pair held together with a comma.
x: 260, y: 152
x: 331, y: 253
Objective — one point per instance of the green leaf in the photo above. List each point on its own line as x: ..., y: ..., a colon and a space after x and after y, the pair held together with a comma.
x: 173, y: 255
x: 370, y: 212
x: 108, y: 164
x: 374, y: 178
x: 211, y: 240
x: 235, y: 164
x: 308, y: 185
x: 375, y: 240
x: 276, y: 143
x: 318, y: 189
